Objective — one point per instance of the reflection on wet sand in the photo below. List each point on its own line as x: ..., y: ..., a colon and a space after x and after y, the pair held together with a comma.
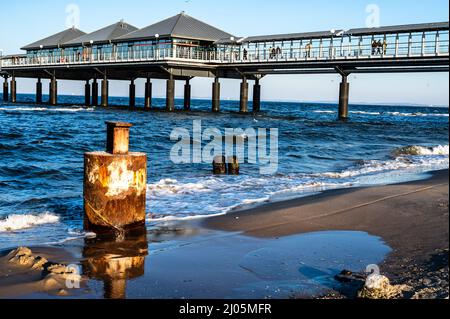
x: 115, y: 262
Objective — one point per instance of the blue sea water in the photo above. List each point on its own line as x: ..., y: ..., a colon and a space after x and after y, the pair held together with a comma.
x: 41, y: 158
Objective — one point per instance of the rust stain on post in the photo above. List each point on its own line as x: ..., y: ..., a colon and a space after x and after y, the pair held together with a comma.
x: 115, y: 184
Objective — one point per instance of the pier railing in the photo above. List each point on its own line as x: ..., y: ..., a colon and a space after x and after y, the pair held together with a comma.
x: 425, y: 44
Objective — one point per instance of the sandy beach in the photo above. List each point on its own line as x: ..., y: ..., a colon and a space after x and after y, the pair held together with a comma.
x: 412, y: 218
x: 260, y: 249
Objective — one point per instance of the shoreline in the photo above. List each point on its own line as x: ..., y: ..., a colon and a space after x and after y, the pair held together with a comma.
x: 408, y: 221
x: 411, y: 218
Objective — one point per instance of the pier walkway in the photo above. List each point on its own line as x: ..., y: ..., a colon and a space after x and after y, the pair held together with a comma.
x: 181, y: 48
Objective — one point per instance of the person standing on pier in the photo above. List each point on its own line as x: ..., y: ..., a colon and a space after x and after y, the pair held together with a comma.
x: 308, y: 49
x: 379, y: 46
x: 374, y: 47
x: 385, y: 47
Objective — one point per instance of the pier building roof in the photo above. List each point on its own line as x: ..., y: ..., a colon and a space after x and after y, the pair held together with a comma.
x: 104, y: 35
x: 423, y: 27
x: 179, y: 26
x: 56, y: 39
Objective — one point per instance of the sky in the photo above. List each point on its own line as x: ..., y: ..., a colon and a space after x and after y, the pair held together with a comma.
x: 26, y: 21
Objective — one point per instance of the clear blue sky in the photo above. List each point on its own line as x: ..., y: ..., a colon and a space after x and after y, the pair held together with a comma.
x: 26, y: 21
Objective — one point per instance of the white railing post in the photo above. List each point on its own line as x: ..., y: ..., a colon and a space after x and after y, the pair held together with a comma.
x: 410, y: 45
x: 423, y: 44
x: 397, y: 43
x: 436, y: 46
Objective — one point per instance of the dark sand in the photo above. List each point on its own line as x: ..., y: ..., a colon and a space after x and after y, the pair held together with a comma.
x: 412, y: 218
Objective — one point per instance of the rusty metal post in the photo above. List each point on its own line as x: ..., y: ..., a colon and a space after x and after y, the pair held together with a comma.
x: 105, y: 89
x: 13, y: 90
x: 216, y: 96
x: 39, y: 91
x: 233, y: 165
x: 53, y: 91
x: 132, y: 94
x: 5, y: 90
x: 244, y: 97
x: 219, y: 165
x: 344, y: 90
x: 170, y: 95
x: 87, y: 93
x: 115, y: 184
x: 256, y: 97
x: 148, y: 94
x: 95, y: 92
x: 187, y: 96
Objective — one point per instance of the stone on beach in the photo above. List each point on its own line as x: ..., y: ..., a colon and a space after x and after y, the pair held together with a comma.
x: 379, y: 287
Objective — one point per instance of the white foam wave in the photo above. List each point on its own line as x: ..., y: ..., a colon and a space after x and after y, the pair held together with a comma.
x: 18, y: 222
x: 45, y: 109
x: 423, y: 150
x: 173, y: 187
x: 418, y: 114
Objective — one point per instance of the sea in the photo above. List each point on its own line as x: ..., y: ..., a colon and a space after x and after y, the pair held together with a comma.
x: 42, y: 147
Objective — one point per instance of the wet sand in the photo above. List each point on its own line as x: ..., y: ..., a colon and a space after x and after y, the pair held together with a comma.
x: 412, y: 218
x: 280, y: 250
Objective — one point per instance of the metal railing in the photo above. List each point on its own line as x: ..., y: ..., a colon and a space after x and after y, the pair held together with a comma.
x: 313, y: 50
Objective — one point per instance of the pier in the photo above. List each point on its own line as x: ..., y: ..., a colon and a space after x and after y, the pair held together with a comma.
x: 181, y: 48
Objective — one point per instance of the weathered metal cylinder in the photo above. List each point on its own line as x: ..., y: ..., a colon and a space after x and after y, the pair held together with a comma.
x: 344, y: 91
x: 148, y: 94
x: 132, y: 95
x: 219, y: 165
x: 5, y: 90
x: 216, y: 96
x: 105, y: 92
x: 115, y: 185
x: 233, y: 165
x: 244, y: 97
x: 95, y: 93
x: 87, y: 94
x: 256, y: 97
x: 170, y: 96
x: 53, y: 91
x: 187, y: 96
x: 13, y: 90
x: 39, y: 92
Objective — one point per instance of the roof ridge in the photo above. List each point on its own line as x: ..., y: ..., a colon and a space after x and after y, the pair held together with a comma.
x: 176, y: 23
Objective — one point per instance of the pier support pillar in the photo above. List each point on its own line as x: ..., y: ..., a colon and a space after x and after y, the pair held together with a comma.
x: 39, y: 91
x: 256, y: 97
x: 170, y: 95
x: 114, y: 203
x: 87, y: 93
x: 95, y: 93
x: 216, y: 96
x: 5, y: 90
x: 53, y: 91
x: 244, y: 97
x: 13, y: 90
x: 344, y: 91
x: 148, y: 94
x: 187, y: 96
x: 132, y: 94
x: 105, y: 88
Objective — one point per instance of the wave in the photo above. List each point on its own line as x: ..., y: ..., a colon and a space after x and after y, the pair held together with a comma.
x: 418, y: 114
x: 173, y: 187
x: 422, y: 150
x: 18, y: 222
x: 202, y: 197
x: 45, y: 109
